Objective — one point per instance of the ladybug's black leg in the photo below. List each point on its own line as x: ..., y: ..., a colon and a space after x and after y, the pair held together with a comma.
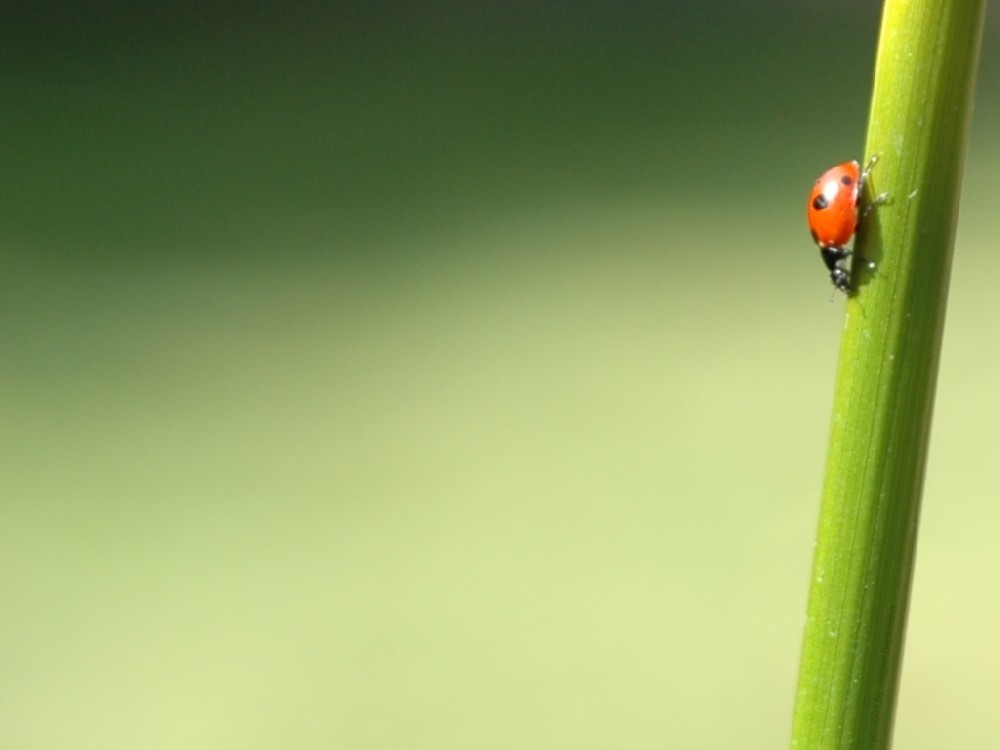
x: 867, y: 171
x: 839, y: 276
x: 878, y: 200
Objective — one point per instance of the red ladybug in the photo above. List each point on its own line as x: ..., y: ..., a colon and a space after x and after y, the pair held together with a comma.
x: 833, y: 214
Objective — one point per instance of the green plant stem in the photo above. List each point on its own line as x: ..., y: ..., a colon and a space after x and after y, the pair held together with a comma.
x: 924, y: 80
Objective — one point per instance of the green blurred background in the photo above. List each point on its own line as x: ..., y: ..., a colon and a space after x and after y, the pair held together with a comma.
x: 449, y: 376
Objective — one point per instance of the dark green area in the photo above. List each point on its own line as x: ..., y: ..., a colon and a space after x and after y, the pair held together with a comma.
x: 136, y: 132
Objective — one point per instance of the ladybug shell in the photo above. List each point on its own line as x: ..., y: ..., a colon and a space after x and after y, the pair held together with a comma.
x: 833, y: 205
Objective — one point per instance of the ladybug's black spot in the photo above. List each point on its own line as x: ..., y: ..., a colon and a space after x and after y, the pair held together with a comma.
x: 820, y: 202
x: 846, y: 180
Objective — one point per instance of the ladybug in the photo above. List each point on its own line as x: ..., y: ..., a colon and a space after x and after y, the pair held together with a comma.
x: 833, y: 217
